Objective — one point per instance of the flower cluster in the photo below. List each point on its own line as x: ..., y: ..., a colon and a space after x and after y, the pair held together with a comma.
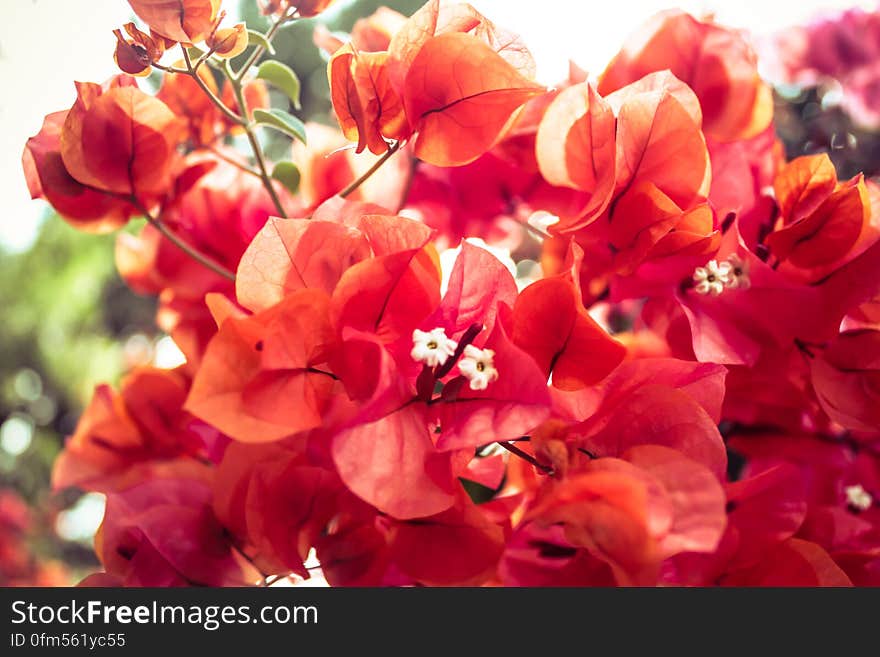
x: 679, y: 387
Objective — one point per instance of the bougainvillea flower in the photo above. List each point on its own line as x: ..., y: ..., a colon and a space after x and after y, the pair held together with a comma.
x: 794, y: 562
x: 187, y: 21
x: 716, y: 62
x: 658, y: 117
x: 512, y: 403
x: 373, y: 33
x: 742, y: 170
x: 119, y: 139
x: 290, y: 254
x: 847, y: 381
x: 163, y: 533
x: 437, y: 17
x: 273, y: 353
x: 414, y: 442
x: 388, y: 295
x: 124, y: 437
x: 483, y: 199
x: 275, y: 502
x: 135, y: 56
x: 638, y: 207
x: 550, y: 324
x: 542, y: 556
x: 850, y: 537
x: 596, y: 335
x: 369, y: 110
x: 84, y: 207
x: 633, y: 514
x: 460, y: 546
x: 576, y: 147
x: 228, y: 42
x: 458, y: 78
x: 820, y: 219
x: 825, y: 466
x: 460, y: 111
x: 765, y: 510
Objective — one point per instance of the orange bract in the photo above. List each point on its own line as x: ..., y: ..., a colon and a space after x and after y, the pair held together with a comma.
x: 82, y: 206
x: 846, y: 378
x: 659, y: 138
x: 119, y: 139
x: 449, y: 75
x: 290, y: 254
x: 187, y: 21
x: 552, y: 326
x: 136, y: 56
x: 253, y: 360
x: 460, y: 96
x: 716, y: 62
x: 821, y: 219
x: 438, y: 17
x: 368, y: 108
x: 229, y: 42
x: 581, y: 125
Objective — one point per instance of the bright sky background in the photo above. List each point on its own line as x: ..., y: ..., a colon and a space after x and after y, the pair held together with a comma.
x: 47, y: 44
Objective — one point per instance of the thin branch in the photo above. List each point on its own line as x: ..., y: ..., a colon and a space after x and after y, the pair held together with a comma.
x: 170, y: 69
x: 259, y: 50
x: 513, y: 449
x: 254, y: 142
x: 202, y: 259
x: 354, y: 184
x: 228, y: 113
x: 227, y: 158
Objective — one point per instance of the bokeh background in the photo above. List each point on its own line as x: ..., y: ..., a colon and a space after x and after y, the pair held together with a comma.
x: 67, y: 321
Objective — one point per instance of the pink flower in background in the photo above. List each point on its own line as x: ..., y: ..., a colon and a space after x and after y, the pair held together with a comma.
x: 842, y: 46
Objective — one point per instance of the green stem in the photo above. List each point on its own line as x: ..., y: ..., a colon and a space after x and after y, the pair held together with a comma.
x: 228, y: 113
x: 259, y: 50
x: 249, y: 130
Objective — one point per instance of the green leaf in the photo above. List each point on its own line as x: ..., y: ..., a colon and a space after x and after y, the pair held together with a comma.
x: 287, y: 173
x: 281, y: 76
x: 195, y: 53
x: 259, y: 39
x: 281, y: 121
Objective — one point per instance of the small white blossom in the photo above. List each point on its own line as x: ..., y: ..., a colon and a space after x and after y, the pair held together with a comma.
x: 738, y: 278
x: 477, y: 366
x: 712, y: 278
x: 432, y: 348
x: 857, y: 497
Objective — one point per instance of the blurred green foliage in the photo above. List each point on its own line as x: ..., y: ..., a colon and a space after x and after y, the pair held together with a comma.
x: 66, y: 314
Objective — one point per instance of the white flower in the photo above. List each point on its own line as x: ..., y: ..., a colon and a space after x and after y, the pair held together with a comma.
x: 712, y: 278
x: 857, y: 497
x: 477, y: 366
x: 738, y: 278
x: 432, y: 348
